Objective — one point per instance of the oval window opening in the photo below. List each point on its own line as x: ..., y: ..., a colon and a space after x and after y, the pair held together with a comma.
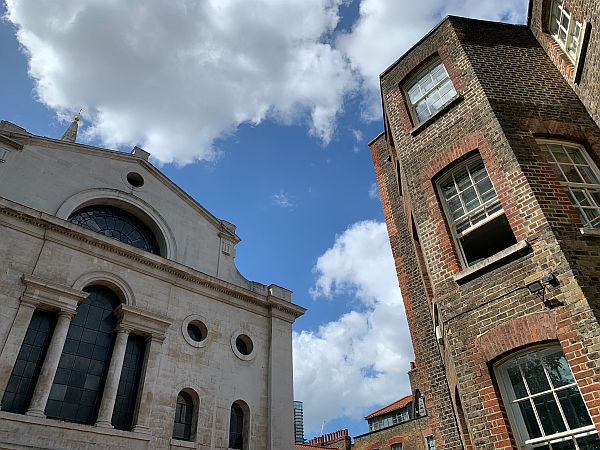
x: 135, y: 179
x: 243, y: 344
x: 197, y: 331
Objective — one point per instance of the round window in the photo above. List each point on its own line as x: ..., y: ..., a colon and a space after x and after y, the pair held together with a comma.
x: 135, y: 179
x: 243, y: 344
x: 197, y: 331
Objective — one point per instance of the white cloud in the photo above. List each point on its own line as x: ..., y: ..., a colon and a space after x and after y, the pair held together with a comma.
x: 174, y: 76
x: 373, y: 191
x: 387, y: 28
x: 361, y: 359
x: 283, y: 200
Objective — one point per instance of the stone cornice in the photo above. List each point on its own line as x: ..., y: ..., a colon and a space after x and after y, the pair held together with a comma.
x: 51, y: 295
x: 149, y: 263
x: 145, y: 322
x: 10, y: 142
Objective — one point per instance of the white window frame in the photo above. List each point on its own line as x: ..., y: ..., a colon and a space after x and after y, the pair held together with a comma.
x: 568, y: 185
x: 430, y: 442
x: 555, y: 27
x: 481, y: 208
x: 416, y: 79
x: 516, y: 420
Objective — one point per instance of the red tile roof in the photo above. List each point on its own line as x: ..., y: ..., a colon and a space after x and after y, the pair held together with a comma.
x: 398, y: 404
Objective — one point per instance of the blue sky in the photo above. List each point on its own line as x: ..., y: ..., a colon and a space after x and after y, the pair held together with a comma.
x: 266, y: 126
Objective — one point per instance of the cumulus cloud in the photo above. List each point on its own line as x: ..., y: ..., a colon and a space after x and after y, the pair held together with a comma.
x: 385, y: 29
x: 359, y: 360
x: 175, y: 76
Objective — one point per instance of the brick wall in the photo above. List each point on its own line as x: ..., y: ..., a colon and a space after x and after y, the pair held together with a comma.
x: 510, y: 93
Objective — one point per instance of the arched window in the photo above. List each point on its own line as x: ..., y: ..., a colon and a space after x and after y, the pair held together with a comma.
x: 184, y: 412
x: 236, y: 427
x: 118, y: 224
x: 546, y: 409
x: 77, y: 389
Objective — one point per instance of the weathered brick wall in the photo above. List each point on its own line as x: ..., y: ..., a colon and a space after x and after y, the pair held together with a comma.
x: 588, y: 87
x: 410, y: 434
x: 510, y: 93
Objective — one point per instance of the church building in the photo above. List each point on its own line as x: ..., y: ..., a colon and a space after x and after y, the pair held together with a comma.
x: 124, y: 323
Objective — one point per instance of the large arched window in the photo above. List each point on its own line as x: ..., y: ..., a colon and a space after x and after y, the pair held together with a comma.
x: 236, y: 427
x: 118, y: 224
x: 77, y: 389
x: 546, y: 409
x: 184, y: 413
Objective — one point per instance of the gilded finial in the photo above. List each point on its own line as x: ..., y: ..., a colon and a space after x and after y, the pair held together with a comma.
x: 78, y: 115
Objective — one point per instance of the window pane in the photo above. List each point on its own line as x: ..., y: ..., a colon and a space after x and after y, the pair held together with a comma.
x: 558, y: 369
x: 549, y: 414
x: 573, y: 407
x: 430, y: 91
x: 128, y: 383
x: 516, y: 381
x: 590, y: 442
x: 534, y: 374
x: 533, y: 430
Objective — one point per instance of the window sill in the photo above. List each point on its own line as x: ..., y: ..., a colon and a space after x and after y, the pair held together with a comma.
x: 183, y: 444
x: 448, y: 106
x: 595, y: 232
x: 492, y: 260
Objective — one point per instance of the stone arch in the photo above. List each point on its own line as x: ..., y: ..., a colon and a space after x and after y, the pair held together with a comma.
x: 246, y: 422
x: 130, y: 203
x: 110, y: 280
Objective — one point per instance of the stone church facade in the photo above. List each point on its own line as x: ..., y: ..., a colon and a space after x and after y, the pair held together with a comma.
x: 488, y: 171
x: 124, y: 323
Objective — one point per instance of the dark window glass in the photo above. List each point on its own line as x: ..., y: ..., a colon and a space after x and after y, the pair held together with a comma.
x: 29, y: 363
x: 118, y: 224
x: 129, y: 383
x: 182, y: 427
x: 236, y: 427
x: 195, y: 332
x: 77, y: 389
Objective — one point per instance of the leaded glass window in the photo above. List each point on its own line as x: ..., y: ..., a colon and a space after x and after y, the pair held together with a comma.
x: 29, y: 363
x: 79, y: 381
x: 127, y: 392
x: 544, y: 402
x: 118, y: 224
x: 580, y: 177
x: 429, y: 91
x: 475, y: 215
x: 565, y: 28
x: 184, y: 411
x: 236, y: 427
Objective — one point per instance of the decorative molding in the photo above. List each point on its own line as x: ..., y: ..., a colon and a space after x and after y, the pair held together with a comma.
x: 116, y: 283
x: 250, y: 356
x: 153, y: 262
x: 186, y: 336
x: 51, y: 296
x: 143, y: 322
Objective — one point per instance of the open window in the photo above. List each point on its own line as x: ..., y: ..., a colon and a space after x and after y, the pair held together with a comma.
x: 474, y: 213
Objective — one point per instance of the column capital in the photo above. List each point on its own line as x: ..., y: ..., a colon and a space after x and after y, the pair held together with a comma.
x: 68, y: 313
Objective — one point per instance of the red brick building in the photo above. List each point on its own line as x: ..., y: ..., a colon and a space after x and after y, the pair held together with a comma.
x: 488, y: 174
x: 399, y: 425
x: 338, y: 440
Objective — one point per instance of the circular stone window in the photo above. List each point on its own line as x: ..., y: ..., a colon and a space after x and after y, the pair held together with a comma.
x: 135, y: 179
x: 194, y: 331
x: 242, y: 346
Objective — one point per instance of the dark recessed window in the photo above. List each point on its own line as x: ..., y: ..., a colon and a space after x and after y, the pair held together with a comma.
x: 184, y: 410
x: 29, y: 363
x: 197, y: 331
x: 79, y: 381
x: 236, y: 427
x: 118, y: 224
x: 135, y: 179
x: 129, y: 382
x: 243, y: 344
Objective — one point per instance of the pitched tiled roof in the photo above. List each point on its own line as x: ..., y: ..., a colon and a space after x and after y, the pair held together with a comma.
x: 398, y: 404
